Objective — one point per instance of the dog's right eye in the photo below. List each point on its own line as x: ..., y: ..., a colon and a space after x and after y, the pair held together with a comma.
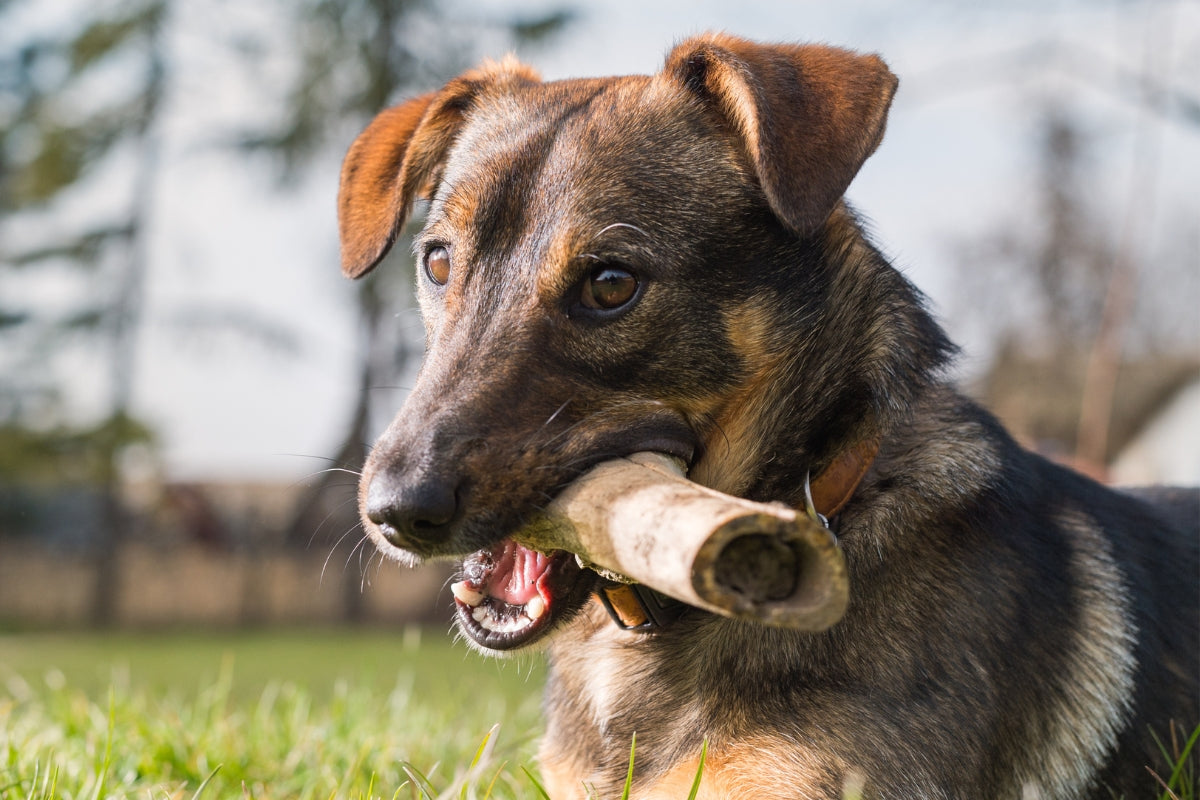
x: 437, y: 265
x: 608, y: 288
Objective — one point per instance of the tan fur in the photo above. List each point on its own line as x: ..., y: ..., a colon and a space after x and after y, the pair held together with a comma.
x: 761, y: 767
x: 736, y: 421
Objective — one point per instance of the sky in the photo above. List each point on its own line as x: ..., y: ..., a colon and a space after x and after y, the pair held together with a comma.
x: 955, y: 162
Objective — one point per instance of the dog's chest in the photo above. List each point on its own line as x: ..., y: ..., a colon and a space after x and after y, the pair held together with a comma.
x: 609, y: 686
x: 607, y: 675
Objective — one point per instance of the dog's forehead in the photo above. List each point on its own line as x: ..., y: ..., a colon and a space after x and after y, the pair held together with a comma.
x: 559, y: 161
x: 582, y: 116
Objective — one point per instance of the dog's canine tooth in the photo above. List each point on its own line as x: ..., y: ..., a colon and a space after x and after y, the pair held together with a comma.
x: 535, y: 607
x: 466, y: 594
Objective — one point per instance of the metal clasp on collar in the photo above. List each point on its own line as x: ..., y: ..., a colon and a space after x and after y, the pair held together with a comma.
x: 809, y: 508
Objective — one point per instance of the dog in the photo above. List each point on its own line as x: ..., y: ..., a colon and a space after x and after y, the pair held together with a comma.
x: 666, y: 263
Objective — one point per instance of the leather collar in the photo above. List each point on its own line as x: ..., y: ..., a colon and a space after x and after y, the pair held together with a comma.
x: 636, y: 607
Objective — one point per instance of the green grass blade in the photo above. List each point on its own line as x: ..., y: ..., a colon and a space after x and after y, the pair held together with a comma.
x: 483, y: 746
x: 699, y: 771
x: 477, y: 760
x: 420, y: 782
x: 492, y: 785
x: 541, y: 790
x: 102, y: 778
x: 200, y: 788
x: 1182, y: 761
x: 629, y: 775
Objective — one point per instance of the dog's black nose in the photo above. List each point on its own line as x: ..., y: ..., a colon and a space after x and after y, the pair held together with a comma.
x: 412, y: 514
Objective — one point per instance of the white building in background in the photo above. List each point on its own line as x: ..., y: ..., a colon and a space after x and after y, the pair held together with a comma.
x: 1167, y: 450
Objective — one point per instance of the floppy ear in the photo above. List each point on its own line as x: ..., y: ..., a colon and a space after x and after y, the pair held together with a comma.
x: 379, y: 182
x: 808, y: 115
x: 398, y: 158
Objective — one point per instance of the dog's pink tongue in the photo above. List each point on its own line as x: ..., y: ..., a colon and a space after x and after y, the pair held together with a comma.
x: 515, y: 574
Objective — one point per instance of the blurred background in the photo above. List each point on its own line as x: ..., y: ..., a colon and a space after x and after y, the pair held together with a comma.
x: 187, y: 384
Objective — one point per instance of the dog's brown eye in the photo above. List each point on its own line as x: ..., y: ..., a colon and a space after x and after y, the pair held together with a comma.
x: 437, y: 264
x: 608, y: 288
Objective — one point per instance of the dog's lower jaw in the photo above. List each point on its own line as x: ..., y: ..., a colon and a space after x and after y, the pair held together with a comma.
x: 509, y: 597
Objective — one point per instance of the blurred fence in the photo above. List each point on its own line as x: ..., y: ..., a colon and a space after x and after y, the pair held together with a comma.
x: 197, y: 556
x: 197, y: 586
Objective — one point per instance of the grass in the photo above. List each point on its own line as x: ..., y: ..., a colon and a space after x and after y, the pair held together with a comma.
x: 321, y: 715
x: 1181, y: 782
x: 359, y: 715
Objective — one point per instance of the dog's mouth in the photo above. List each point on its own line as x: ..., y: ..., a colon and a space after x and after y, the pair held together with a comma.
x: 510, y: 596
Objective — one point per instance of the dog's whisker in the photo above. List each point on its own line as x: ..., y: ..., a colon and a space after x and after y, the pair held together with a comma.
x: 592, y: 417
x: 317, y: 473
x: 352, y: 499
x: 380, y: 563
x: 557, y: 411
x: 312, y: 537
x: 355, y: 472
x: 626, y: 225
x: 363, y: 569
x: 333, y: 548
x: 549, y: 420
x: 307, y: 455
x: 358, y: 550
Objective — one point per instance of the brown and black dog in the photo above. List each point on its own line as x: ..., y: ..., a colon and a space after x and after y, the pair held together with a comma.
x: 666, y: 263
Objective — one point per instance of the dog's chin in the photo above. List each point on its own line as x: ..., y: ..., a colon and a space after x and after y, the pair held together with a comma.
x: 510, y: 597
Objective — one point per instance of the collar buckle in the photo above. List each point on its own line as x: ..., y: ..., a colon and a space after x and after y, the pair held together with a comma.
x: 635, y: 607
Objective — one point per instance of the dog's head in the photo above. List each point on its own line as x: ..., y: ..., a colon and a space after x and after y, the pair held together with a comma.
x: 600, y: 274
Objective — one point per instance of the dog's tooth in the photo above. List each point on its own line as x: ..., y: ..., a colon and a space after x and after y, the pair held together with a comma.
x: 501, y: 624
x: 480, y: 615
x: 535, y: 607
x: 466, y: 594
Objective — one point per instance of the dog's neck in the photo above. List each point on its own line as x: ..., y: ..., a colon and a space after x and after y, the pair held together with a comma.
x: 638, y: 608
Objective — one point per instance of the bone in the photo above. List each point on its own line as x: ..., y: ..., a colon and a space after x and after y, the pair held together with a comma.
x: 641, y: 518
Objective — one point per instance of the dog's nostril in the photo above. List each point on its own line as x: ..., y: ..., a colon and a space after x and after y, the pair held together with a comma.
x: 412, y: 515
x: 432, y: 506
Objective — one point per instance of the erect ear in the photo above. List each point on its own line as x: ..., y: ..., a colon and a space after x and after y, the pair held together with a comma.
x: 398, y: 158
x: 808, y: 115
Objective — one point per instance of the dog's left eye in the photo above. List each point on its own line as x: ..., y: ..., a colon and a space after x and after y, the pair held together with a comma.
x: 608, y: 288
x: 437, y: 265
